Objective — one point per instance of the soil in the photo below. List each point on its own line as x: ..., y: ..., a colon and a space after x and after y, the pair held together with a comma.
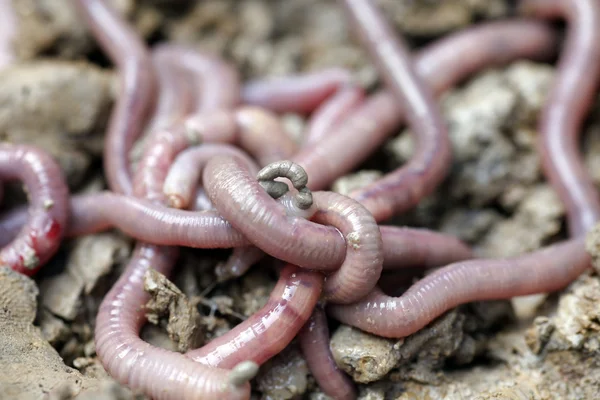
x: 496, y: 199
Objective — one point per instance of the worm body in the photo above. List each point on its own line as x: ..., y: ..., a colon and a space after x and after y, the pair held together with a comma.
x: 545, y: 270
x: 300, y: 94
x: 39, y: 238
x: 269, y: 330
x: 138, y: 85
x: 314, y: 342
x: 570, y: 99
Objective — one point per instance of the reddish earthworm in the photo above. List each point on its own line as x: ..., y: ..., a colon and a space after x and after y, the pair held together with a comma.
x: 8, y: 29
x: 570, y: 99
x: 272, y: 328
x: 40, y: 237
x: 252, y: 211
x: 405, y: 248
x: 215, y: 77
x: 314, y: 342
x: 299, y: 93
x: 127, y: 50
x: 430, y: 163
x: 331, y: 112
x: 442, y: 64
x: 546, y: 270
x: 159, y: 373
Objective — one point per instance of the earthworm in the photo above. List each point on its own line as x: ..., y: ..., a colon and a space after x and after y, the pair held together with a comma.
x: 431, y: 160
x: 362, y: 266
x: 175, y: 97
x: 442, y: 64
x: 314, y: 342
x: 40, y: 237
x: 272, y: 328
x: 299, y: 93
x: 243, y: 202
x: 144, y: 367
x: 138, y: 86
x: 545, y: 270
x: 185, y: 172
x: 333, y: 110
x: 252, y: 211
x: 570, y: 99
x: 8, y: 30
x: 215, y: 77
x: 405, y: 248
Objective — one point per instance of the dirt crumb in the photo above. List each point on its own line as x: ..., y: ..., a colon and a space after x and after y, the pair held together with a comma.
x: 365, y: 357
x: 169, y: 307
x: 283, y: 377
x: 91, y: 258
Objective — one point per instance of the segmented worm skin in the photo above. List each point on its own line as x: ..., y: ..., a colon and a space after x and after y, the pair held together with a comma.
x: 546, y: 270
x: 159, y: 373
x: 405, y: 248
x: 570, y: 100
x: 362, y: 266
x: 138, y: 86
x: 403, y: 188
x: 300, y: 94
x: 442, y: 64
x: 40, y: 237
x: 333, y: 111
x: 214, y: 77
x: 184, y: 175
x: 8, y: 28
x: 244, y: 203
x: 314, y: 342
x: 272, y: 328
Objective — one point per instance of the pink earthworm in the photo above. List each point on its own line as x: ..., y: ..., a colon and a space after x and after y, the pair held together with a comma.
x: 405, y: 248
x: 546, y: 270
x: 333, y: 110
x: 570, y: 99
x: 39, y: 238
x: 175, y: 99
x: 272, y: 328
x: 253, y: 212
x: 442, y: 65
x: 138, y: 86
x: 185, y: 172
x: 405, y: 187
x: 249, y: 127
x: 300, y: 93
x: 8, y: 30
x: 157, y: 372
x: 314, y: 342
x: 215, y: 77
